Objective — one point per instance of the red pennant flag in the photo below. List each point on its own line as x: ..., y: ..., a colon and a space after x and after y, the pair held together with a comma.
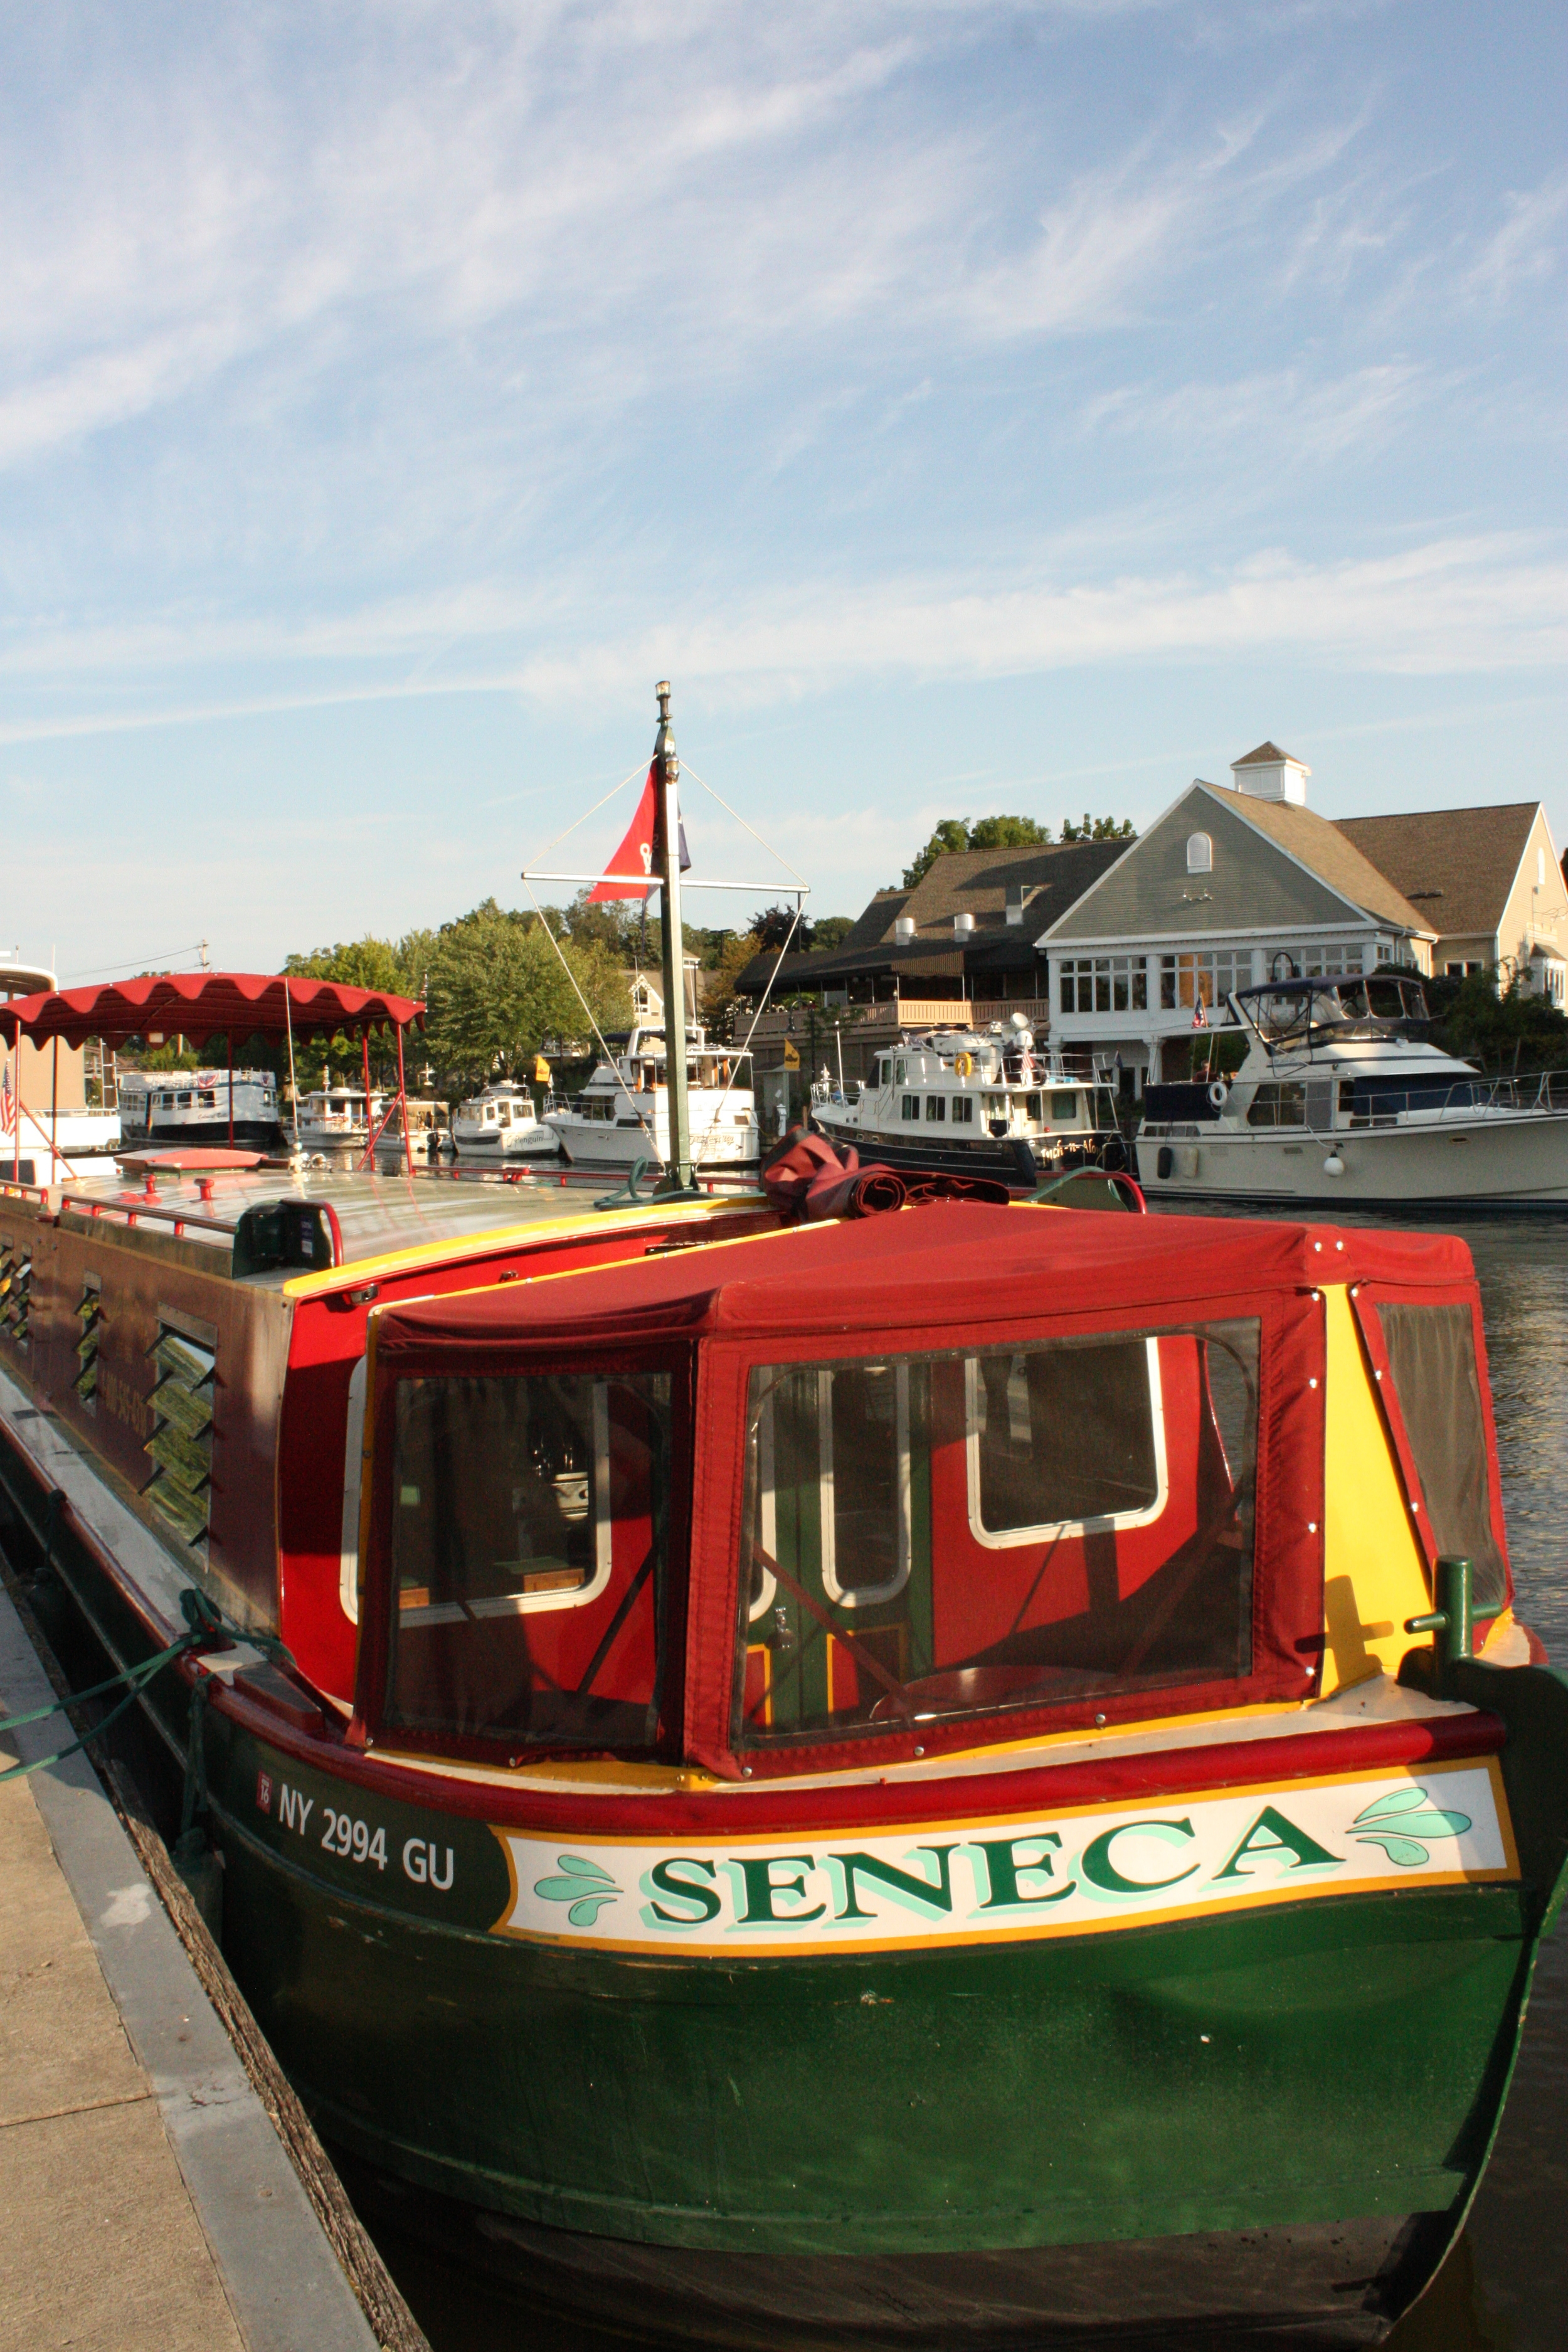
x: 634, y: 853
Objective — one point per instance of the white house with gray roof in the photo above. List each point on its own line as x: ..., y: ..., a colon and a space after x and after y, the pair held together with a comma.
x: 1229, y: 888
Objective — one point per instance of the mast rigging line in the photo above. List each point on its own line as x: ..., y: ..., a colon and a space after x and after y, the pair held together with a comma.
x: 652, y: 1139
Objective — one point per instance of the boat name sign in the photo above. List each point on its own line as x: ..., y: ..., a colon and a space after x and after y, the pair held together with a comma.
x: 1020, y: 1876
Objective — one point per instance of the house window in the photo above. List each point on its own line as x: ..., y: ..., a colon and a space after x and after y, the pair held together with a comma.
x: 1334, y: 959
x: 1104, y: 984
x: 1187, y: 981
x: 1461, y: 970
x: 1200, y: 854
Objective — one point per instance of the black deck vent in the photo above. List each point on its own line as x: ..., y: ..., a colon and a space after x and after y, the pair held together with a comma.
x: 180, y: 1490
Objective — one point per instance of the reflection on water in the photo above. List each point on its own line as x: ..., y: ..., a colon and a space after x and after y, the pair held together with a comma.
x: 1505, y: 2287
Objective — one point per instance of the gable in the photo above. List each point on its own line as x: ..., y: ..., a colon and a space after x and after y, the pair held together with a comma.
x: 1255, y: 884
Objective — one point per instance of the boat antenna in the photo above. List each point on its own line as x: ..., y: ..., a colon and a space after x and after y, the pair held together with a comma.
x: 677, y: 1178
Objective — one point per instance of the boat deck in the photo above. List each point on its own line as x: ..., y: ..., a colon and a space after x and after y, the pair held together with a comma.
x: 376, y: 1217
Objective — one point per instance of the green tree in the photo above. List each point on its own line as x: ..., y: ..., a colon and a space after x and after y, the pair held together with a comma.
x: 1099, y: 828
x: 500, y: 989
x: 1007, y: 833
x: 720, y: 1005
x: 956, y: 833
x: 832, y: 930
x: 1513, y: 1030
x: 952, y: 835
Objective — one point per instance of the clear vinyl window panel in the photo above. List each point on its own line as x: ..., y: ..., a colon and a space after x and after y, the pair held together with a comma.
x: 527, y: 1561
x: 954, y: 1534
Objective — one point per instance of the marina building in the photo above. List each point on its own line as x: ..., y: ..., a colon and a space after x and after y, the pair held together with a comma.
x: 1119, y: 951
x: 1229, y: 888
x: 1488, y: 880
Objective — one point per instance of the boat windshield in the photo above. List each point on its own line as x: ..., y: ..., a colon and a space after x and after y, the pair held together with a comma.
x: 1294, y: 1008
x: 934, y: 1535
x: 528, y: 1559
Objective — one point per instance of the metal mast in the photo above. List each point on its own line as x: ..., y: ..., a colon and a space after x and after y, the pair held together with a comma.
x: 666, y: 865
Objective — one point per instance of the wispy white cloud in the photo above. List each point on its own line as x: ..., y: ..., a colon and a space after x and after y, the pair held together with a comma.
x: 1498, y: 603
x: 1526, y: 249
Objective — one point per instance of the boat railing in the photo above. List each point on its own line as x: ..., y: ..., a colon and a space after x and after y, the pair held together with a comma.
x: 137, y: 1211
x: 140, y: 1209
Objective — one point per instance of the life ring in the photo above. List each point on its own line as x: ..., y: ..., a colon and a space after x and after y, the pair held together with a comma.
x: 964, y: 1066
x: 1217, y: 1095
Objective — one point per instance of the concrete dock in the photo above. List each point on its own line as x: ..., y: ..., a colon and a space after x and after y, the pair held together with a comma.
x: 148, y: 2200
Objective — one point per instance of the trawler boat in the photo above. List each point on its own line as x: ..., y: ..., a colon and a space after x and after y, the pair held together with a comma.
x: 622, y: 1115
x: 781, y: 1715
x: 502, y: 1124
x: 192, y: 1107
x: 975, y: 1103
x: 333, y: 1119
x: 1343, y: 1097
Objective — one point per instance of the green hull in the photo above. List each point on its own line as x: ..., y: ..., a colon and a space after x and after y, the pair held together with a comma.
x: 1313, y: 2083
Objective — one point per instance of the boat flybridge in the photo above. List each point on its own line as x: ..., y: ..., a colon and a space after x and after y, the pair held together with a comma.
x: 975, y: 1103
x: 501, y: 1123
x: 1342, y: 1096
x: 622, y: 1115
x: 716, y: 1753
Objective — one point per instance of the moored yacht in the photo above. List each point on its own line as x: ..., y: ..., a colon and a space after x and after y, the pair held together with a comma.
x: 192, y: 1107
x: 975, y: 1103
x: 501, y: 1124
x: 1343, y: 1096
x: 622, y: 1115
x: 333, y: 1119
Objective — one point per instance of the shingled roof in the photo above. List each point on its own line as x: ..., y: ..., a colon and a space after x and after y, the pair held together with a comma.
x: 1457, y: 865
x: 1327, y: 851
x: 964, y: 881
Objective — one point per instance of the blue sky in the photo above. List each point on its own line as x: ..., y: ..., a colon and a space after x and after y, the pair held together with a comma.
x: 968, y: 407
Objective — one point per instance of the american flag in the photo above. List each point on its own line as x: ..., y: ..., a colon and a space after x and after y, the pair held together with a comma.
x: 7, y: 1104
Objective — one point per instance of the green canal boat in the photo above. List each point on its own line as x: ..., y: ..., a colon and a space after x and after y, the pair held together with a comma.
x: 958, y: 1777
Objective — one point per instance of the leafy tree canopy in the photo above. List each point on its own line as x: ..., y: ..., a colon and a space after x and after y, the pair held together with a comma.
x: 958, y: 833
x: 1511, y: 1031
x: 1098, y: 828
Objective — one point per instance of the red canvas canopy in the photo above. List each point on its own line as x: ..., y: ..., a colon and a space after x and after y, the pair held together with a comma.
x: 202, y: 1004
x: 950, y: 1263
x: 954, y: 1275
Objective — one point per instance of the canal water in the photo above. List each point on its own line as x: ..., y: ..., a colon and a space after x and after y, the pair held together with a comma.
x: 1505, y: 2287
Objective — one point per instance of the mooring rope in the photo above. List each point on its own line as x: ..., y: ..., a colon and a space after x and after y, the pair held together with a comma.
x: 203, y: 1619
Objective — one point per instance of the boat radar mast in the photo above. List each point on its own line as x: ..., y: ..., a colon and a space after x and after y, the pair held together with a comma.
x: 677, y: 1179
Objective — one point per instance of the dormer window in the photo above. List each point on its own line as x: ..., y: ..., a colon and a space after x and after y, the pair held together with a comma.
x: 1200, y: 854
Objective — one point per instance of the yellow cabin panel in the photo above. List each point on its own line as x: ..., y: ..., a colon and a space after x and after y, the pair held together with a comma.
x: 1374, y: 1575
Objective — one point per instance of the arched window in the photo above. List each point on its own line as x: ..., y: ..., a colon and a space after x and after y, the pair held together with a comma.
x: 1200, y: 854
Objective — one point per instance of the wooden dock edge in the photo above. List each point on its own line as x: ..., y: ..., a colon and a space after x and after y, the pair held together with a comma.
x: 386, y: 2314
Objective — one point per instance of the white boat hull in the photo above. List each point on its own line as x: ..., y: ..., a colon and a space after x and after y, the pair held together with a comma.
x: 1498, y: 1160
x: 598, y: 1143
x: 504, y: 1143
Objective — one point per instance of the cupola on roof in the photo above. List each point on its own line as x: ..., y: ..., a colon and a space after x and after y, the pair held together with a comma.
x: 1271, y: 774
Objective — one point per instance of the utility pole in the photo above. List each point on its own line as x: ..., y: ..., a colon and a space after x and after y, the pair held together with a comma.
x: 677, y: 1175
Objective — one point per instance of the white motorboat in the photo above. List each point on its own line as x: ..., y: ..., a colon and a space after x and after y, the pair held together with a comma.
x: 622, y: 1115
x: 1344, y: 1098
x: 192, y: 1107
x: 974, y: 1102
x: 333, y: 1119
x: 501, y: 1124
